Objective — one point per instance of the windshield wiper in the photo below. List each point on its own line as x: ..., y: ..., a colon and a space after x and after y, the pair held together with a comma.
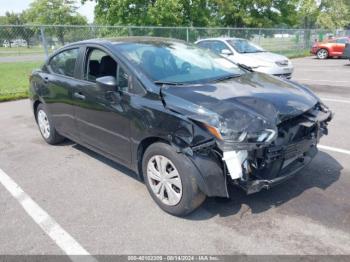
x: 226, y: 77
x: 245, y: 67
x: 167, y: 83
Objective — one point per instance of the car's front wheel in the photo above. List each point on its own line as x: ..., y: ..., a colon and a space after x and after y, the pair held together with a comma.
x: 170, y: 179
x: 46, y: 126
x: 322, y: 54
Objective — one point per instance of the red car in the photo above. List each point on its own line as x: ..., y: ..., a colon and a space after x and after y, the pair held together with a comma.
x: 330, y: 48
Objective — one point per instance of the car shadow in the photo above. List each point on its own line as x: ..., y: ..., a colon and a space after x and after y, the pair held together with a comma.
x: 321, y: 173
x: 107, y: 161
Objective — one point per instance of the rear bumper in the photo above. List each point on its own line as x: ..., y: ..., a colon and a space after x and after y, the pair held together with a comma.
x: 314, y: 50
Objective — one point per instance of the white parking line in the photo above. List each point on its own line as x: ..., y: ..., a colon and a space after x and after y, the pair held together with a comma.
x: 335, y: 100
x: 334, y: 149
x: 65, y: 241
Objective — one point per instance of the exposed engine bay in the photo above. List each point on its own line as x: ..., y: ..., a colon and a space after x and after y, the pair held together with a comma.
x: 293, y: 148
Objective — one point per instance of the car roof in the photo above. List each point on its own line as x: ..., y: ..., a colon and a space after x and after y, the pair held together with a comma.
x: 220, y: 39
x: 123, y: 40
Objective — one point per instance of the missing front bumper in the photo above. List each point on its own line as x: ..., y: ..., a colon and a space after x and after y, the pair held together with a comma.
x: 256, y: 185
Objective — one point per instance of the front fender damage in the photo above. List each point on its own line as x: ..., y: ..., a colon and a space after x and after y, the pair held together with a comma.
x: 252, y: 166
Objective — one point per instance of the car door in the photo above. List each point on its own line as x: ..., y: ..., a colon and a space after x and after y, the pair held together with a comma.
x: 59, y: 79
x: 340, y: 45
x: 102, y: 116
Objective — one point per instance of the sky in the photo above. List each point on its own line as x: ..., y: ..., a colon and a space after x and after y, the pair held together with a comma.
x: 19, y: 5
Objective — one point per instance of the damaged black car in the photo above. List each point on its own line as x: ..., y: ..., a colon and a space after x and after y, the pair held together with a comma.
x: 186, y: 120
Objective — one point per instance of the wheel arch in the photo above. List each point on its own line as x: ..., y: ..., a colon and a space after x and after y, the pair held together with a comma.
x: 142, y: 147
x: 327, y: 49
x: 211, y: 183
x: 36, y: 103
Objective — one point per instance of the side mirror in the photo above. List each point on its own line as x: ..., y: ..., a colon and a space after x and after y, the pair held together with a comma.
x: 226, y: 52
x: 107, y: 83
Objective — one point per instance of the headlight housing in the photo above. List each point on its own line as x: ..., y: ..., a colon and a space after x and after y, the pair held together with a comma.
x: 264, y: 136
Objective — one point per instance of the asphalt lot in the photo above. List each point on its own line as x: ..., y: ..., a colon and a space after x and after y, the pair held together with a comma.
x: 107, y: 211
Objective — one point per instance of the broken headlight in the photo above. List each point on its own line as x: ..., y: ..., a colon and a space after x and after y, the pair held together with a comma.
x: 228, y: 135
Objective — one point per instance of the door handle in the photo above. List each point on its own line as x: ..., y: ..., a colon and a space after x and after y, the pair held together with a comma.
x: 79, y: 95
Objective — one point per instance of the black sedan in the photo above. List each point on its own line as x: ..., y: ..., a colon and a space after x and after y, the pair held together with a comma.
x: 187, y: 121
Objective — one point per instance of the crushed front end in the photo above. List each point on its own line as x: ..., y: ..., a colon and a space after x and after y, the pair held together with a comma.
x: 262, y: 165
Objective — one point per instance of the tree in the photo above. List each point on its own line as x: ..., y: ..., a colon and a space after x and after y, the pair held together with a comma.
x: 224, y: 13
x: 334, y: 14
x: 10, y: 33
x: 122, y: 12
x: 55, y: 12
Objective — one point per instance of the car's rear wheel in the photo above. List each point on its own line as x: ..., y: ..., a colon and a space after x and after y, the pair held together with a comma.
x: 169, y: 177
x: 46, y: 126
x: 322, y: 54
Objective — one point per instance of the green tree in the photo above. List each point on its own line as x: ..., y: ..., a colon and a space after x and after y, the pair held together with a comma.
x: 224, y: 13
x: 55, y: 12
x: 122, y: 12
x: 22, y: 32
x: 255, y: 13
x: 334, y: 14
x: 9, y: 33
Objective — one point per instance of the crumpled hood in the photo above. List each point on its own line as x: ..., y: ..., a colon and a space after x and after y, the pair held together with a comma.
x: 264, y: 96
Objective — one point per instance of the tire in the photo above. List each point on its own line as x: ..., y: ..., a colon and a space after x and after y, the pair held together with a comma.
x: 322, y: 54
x: 182, y: 182
x: 46, y: 126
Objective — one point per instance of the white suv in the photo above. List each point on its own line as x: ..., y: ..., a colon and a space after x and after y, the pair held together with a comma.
x: 241, y: 51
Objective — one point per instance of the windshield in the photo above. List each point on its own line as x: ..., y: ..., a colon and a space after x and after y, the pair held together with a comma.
x: 177, y: 62
x: 244, y: 46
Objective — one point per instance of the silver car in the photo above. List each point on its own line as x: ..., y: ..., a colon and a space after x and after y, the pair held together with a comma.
x: 244, y: 52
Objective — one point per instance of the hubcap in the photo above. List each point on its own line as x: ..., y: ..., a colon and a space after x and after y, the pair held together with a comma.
x: 164, y: 180
x: 44, y: 124
x: 322, y: 54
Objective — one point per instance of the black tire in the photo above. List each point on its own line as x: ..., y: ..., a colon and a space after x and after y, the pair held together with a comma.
x: 54, y: 137
x: 322, y: 54
x: 191, y: 197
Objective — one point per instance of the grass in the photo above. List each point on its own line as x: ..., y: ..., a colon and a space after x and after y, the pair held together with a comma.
x: 296, y: 53
x: 14, y: 80
x: 15, y: 51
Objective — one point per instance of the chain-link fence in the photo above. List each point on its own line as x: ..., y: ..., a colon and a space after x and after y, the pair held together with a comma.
x: 23, y: 47
x: 23, y: 39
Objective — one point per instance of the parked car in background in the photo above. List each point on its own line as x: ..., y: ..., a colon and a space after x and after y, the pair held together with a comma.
x: 244, y: 52
x: 333, y: 47
x: 188, y: 121
x: 15, y: 43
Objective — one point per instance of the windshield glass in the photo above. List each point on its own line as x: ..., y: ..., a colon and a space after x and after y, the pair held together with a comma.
x: 177, y: 62
x: 244, y: 46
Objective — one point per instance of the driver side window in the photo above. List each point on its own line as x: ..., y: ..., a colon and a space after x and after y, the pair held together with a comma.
x: 218, y: 46
x: 99, y: 64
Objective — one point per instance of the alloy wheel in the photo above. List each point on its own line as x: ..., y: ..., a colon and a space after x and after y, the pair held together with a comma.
x: 322, y: 54
x: 164, y: 180
x: 43, y: 123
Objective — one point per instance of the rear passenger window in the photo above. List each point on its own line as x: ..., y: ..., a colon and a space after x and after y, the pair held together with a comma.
x: 64, y: 62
